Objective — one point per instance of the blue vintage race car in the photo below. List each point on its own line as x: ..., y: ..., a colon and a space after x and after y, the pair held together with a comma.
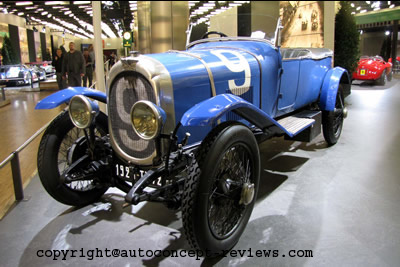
x: 183, y: 128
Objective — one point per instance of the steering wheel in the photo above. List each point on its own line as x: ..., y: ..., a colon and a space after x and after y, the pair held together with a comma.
x: 213, y: 32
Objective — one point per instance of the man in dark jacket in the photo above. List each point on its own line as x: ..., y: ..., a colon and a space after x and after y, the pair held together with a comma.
x: 58, y: 64
x: 73, y: 66
x: 89, y: 68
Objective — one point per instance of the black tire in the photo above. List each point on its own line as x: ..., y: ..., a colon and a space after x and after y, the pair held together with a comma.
x: 383, y: 78
x: 213, y: 221
x: 390, y: 76
x: 52, y: 160
x: 332, y: 121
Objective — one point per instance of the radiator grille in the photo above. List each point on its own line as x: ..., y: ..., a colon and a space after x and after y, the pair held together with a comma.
x: 248, y: 96
x: 125, y: 92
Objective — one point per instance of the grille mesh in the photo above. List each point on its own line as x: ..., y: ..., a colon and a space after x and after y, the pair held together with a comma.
x: 248, y: 96
x: 125, y: 92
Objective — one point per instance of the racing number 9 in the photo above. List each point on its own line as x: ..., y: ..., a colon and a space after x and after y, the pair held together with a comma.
x: 235, y: 66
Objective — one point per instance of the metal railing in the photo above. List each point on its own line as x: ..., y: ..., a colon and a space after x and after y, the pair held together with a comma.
x: 15, y: 166
x: 14, y: 156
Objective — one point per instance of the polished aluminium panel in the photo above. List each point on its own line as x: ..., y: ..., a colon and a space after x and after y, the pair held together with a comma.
x: 210, y: 75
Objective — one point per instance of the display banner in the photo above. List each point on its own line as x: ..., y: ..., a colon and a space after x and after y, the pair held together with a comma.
x: 303, y: 23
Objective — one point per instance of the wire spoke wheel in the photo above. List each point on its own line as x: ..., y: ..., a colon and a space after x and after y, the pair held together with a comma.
x: 332, y: 121
x: 225, y: 212
x: 61, y: 146
x: 65, y: 152
x: 219, y: 193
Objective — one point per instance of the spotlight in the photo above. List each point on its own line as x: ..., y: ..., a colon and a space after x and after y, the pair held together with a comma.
x: 34, y: 29
x: 44, y: 29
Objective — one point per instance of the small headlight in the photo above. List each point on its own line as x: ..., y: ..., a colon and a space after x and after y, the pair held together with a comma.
x: 146, y: 119
x: 81, y: 111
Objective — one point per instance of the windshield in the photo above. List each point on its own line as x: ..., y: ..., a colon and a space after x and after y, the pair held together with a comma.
x: 12, y: 72
x: 231, y: 24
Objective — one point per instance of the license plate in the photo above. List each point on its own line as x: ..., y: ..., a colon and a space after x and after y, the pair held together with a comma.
x: 123, y: 171
x: 362, y: 72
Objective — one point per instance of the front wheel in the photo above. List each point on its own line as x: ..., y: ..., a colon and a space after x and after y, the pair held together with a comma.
x: 332, y: 121
x: 220, y: 191
x: 61, y: 145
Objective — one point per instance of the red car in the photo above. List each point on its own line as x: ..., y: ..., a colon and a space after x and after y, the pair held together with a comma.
x: 373, y: 68
x: 397, y: 59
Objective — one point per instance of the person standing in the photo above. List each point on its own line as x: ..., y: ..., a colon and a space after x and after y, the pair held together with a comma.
x: 91, y: 54
x: 88, y: 68
x: 58, y: 64
x: 73, y: 66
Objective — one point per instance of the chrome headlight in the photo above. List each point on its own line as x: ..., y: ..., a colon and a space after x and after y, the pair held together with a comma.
x: 147, y: 119
x: 82, y: 111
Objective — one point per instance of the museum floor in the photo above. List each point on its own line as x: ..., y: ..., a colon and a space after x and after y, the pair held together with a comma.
x: 342, y: 203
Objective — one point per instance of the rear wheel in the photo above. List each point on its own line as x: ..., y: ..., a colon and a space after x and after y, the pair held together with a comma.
x: 220, y: 192
x: 61, y: 145
x: 332, y: 121
x: 390, y: 76
x: 383, y: 78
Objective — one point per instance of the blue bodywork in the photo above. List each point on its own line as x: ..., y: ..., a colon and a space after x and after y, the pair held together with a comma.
x: 64, y: 96
x: 330, y: 87
x: 250, y: 77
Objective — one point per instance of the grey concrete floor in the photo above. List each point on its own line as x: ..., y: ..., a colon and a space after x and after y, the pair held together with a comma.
x: 341, y: 202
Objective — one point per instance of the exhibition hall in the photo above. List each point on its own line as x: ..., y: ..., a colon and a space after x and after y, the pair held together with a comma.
x: 202, y: 133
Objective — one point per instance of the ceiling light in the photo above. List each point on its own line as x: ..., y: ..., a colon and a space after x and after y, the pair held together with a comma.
x: 387, y: 33
x: 20, y: 13
x: 49, y: 15
x: 358, y: 8
x: 391, y: 6
x: 68, y: 12
x: 352, y: 4
x: 64, y: 9
x: 24, y: 3
x: 58, y: 7
x: 50, y: 3
x: 1, y: 3
x: 40, y: 9
x: 81, y: 2
x: 368, y: 2
x: 70, y: 15
x: 44, y: 13
x: 361, y: 32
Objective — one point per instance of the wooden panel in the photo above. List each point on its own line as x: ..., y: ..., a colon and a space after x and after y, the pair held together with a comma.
x: 19, y: 121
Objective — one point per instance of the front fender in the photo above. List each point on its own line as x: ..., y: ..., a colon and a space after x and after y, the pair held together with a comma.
x: 65, y: 96
x: 330, y: 86
x: 210, y: 110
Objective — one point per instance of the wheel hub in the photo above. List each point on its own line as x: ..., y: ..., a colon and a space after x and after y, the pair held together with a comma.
x: 345, y: 113
x: 247, y: 195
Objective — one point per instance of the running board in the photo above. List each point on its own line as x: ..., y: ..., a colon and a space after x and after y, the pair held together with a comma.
x: 293, y: 125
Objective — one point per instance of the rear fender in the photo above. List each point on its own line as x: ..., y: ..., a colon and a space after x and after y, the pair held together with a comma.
x: 211, y: 110
x: 64, y: 96
x: 330, y: 86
